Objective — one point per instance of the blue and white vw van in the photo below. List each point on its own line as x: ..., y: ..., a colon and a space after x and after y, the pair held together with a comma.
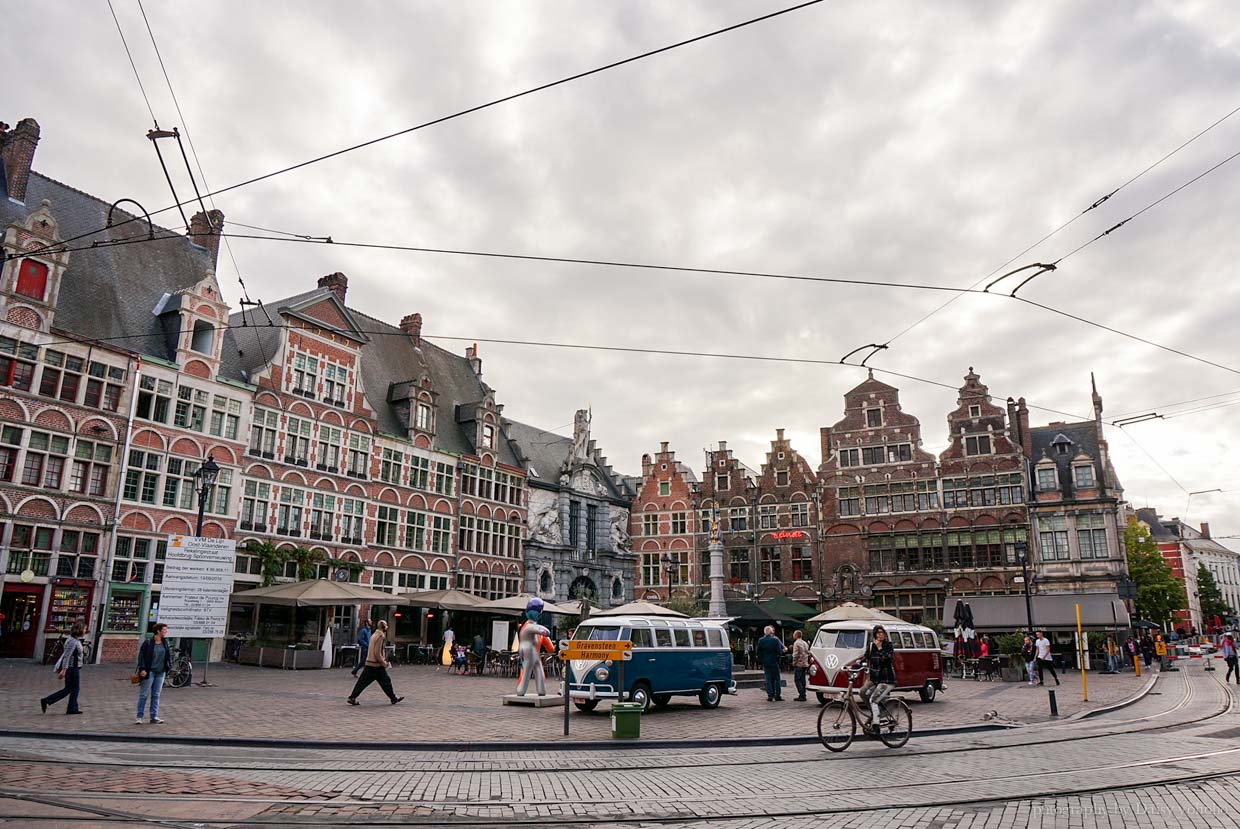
x: 670, y: 657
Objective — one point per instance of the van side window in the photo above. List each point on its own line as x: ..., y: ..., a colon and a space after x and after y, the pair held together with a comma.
x: 919, y: 639
x: 933, y: 639
x: 906, y: 639
x: 715, y: 637
x: 699, y: 638
x: 663, y: 637
x: 682, y: 637
x: 641, y: 638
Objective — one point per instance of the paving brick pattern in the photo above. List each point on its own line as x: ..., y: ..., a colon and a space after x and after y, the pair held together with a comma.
x: 1170, y: 759
x: 309, y: 705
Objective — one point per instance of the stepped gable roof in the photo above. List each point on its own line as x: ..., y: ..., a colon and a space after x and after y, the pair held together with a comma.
x: 546, y: 454
x: 108, y: 293
x: 870, y: 385
x: 388, y: 356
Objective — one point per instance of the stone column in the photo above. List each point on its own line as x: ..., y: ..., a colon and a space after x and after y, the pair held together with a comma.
x: 718, y: 607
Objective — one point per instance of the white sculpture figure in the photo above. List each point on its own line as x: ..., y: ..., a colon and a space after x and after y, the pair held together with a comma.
x: 545, y: 525
x: 533, y: 638
x: 620, y: 539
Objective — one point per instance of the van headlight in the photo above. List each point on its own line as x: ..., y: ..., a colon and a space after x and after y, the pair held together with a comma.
x: 813, y: 670
x: 601, y: 674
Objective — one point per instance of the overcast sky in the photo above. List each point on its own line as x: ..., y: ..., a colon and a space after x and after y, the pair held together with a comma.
x: 915, y: 142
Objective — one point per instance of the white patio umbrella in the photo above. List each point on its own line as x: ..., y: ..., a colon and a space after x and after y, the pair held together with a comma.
x: 639, y: 609
x: 515, y: 606
x: 851, y: 611
x: 444, y: 599
x: 314, y: 593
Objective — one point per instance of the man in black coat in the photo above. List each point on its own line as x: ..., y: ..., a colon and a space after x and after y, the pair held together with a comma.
x: 769, y: 651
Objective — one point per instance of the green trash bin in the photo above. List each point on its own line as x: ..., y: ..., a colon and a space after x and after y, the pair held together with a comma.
x: 626, y: 720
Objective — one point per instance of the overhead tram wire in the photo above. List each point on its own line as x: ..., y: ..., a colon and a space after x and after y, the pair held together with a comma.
x: 462, y: 113
x: 1098, y: 203
x: 133, y: 66
x: 607, y: 348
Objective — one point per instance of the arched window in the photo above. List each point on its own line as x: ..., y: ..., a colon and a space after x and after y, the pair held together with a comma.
x: 204, y: 337
x: 32, y: 279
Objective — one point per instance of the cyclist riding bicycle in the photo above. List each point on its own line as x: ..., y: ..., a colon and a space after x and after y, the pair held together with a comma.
x: 881, y: 671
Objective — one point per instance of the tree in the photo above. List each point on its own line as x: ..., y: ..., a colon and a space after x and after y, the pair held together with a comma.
x: 686, y: 605
x: 1159, y: 593
x: 1212, y: 601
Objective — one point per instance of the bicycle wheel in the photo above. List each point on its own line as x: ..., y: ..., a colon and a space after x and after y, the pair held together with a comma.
x: 181, y: 674
x: 895, y: 723
x: 837, y: 725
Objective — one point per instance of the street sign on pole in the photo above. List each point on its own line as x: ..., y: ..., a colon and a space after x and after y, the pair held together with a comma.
x: 600, y: 649
x: 197, y: 584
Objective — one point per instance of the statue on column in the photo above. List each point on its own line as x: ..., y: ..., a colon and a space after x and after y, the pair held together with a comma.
x: 532, y: 639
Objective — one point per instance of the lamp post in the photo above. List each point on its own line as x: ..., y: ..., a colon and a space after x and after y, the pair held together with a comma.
x: 1022, y: 555
x: 671, y: 563
x: 205, y: 477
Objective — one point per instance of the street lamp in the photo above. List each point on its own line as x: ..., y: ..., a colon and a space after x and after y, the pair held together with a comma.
x: 670, y: 565
x: 205, y: 475
x: 1022, y: 555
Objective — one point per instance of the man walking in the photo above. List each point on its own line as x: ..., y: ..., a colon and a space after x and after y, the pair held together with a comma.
x: 1043, y: 647
x: 376, y: 666
x: 68, y: 668
x: 800, y: 663
x: 769, y: 651
x: 363, y: 646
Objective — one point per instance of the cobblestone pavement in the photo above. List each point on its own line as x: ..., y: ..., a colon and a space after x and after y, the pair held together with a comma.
x: 309, y: 705
x: 1171, y: 759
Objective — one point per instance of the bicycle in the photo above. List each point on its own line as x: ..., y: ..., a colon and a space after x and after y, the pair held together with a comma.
x: 182, y: 671
x: 59, y: 648
x: 838, y: 719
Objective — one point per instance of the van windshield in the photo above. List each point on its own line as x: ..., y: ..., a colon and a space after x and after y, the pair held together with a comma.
x: 851, y: 639
x: 596, y: 632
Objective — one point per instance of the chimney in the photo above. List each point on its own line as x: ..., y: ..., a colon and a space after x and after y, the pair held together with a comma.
x: 824, y: 442
x: 205, y: 230
x: 662, y: 447
x: 17, y: 152
x: 412, y: 325
x: 1026, y: 439
x: 779, y: 434
x: 723, y: 446
x: 475, y: 362
x: 647, y: 466
x: 1013, y: 422
x: 1205, y: 529
x: 337, y: 283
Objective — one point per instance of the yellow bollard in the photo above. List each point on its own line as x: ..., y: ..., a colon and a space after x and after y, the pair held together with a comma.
x: 1080, y: 655
x: 1136, y: 665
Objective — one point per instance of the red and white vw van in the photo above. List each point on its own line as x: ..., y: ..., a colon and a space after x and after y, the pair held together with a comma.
x: 918, y: 658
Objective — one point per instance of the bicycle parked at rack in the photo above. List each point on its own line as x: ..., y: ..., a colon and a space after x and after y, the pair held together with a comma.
x: 838, y: 719
x: 59, y: 648
x: 182, y: 671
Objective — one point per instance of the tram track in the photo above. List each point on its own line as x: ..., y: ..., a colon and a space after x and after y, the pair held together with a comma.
x: 102, y: 806
x: 486, y: 766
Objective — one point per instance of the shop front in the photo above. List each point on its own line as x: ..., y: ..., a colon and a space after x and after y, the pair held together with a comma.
x: 124, y: 620
x: 68, y: 605
x: 21, y: 606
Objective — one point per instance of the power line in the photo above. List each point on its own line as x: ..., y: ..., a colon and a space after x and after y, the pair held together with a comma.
x: 478, y: 108
x: 1153, y: 460
x: 134, y: 66
x: 1181, y: 402
x: 1097, y: 203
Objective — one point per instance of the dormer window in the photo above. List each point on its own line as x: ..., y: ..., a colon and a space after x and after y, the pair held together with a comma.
x: 422, y: 419
x: 1083, y: 476
x: 488, y: 436
x: 873, y: 418
x: 203, y: 338
x: 1048, y: 479
x: 975, y: 411
x: 305, y: 375
x: 977, y: 445
x: 32, y: 279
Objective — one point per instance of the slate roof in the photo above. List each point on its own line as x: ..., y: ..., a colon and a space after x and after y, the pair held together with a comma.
x: 388, y: 356
x: 547, y: 452
x: 1083, y: 437
x: 1154, y: 521
x: 108, y: 293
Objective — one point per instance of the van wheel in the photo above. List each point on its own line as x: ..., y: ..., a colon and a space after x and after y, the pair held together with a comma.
x: 822, y: 698
x: 709, y: 696
x: 641, y: 695
x: 926, y: 692
x: 662, y: 700
x: 587, y: 705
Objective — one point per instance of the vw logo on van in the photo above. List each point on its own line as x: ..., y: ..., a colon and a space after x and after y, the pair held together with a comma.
x: 832, y: 661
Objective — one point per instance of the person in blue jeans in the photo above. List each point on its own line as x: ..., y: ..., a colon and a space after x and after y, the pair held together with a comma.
x: 154, y: 661
x: 363, y: 646
x: 769, y: 651
x: 68, y: 668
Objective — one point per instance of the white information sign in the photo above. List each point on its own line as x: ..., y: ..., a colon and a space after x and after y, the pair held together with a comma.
x: 198, y: 579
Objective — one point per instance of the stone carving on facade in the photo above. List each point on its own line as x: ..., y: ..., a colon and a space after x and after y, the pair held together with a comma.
x: 620, y: 539
x: 545, y: 525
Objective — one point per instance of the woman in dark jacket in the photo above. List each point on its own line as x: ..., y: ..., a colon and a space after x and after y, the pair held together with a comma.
x: 880, y: 670
x: 154, y: 661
